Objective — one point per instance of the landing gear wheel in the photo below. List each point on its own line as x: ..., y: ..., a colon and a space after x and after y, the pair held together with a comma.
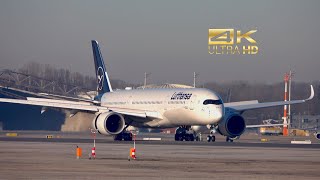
x: 176, y: 137
x: 191, y: 137
x: 118, y: 137
x: 127, y: 136
x: 229, y: 139
x: 123, y: 136
x: 181, y: 134
x: 179, y: 137
x: 213, y: 138
x: 209, y: 138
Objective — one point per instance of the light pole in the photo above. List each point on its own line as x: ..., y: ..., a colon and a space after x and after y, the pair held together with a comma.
x: 195, y: 75
x: 289, y: 106
x: 146, y: 75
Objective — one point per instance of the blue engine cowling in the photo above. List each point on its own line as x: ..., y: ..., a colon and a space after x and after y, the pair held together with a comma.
x: 317, y: 134
x: 232, y: 126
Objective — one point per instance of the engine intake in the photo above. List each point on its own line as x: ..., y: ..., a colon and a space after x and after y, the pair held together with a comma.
x: 109, y: 123
x: 232, y: 126
x: 317, y: 135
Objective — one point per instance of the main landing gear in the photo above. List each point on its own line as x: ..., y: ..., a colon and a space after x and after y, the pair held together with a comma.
x: 183, y: 134
x: 124, y: 135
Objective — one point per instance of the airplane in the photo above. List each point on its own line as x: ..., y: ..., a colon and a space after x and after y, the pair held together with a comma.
x: 184, y: 109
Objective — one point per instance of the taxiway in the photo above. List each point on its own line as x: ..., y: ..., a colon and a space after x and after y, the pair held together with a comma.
x: 33, y: 157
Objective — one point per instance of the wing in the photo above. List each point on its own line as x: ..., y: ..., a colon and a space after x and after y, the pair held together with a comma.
x: 68, y: 98
x: 264, y: 125
x: 22, y: 94
x: 137, y: 113
x: 64, y: 104
x: 82, y: 106
x: 230, y: 104
x: 248, y: 105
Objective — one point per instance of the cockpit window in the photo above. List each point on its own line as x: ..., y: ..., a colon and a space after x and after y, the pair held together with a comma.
x: 211, y: 101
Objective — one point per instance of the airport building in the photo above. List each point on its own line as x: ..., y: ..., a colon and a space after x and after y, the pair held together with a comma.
x: 305, y: 121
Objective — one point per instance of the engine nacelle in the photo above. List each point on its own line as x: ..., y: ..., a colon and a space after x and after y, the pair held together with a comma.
x: 109, y: 123
x: 232, y: 126
x: 317, y: 134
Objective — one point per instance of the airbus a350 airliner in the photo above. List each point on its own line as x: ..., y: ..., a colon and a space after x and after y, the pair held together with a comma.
x: 187, y: 109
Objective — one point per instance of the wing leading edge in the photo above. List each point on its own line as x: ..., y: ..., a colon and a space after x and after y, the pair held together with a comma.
x: 249, y: 106
x: 265, y: 125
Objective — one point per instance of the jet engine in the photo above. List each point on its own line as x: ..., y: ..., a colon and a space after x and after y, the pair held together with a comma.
x: 109, y: 123
x: 232, y: 126
x: 317, y: 134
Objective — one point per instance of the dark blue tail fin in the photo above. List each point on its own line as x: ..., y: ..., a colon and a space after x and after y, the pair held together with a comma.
x: 103, y: 81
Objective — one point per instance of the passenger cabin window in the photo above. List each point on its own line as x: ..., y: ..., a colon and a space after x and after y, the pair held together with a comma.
x: 211, y: 101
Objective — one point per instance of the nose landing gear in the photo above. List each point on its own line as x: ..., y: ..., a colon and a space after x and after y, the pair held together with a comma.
x: 211, y: 137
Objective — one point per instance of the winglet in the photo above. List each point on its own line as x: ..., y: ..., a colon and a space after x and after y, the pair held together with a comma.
x: 312, y: 93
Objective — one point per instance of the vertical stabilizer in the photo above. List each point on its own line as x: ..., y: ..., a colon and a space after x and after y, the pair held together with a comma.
x: 103, y: 81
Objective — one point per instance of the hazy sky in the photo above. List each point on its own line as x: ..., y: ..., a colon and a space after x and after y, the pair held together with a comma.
x: 167, y: 38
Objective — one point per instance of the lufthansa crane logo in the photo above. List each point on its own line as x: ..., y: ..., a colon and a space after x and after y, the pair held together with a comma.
x: 100, y: 77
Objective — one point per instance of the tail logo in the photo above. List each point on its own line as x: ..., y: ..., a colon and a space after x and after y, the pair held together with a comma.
x: 100, y: 77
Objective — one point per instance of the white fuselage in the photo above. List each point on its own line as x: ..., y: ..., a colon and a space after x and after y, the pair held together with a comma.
x: 174, y: 107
